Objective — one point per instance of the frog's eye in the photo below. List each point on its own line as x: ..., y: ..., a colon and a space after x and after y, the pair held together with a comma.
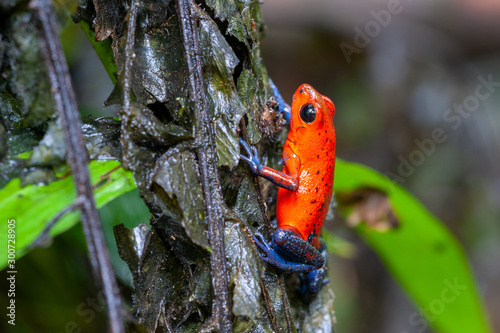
x: 307, y: 113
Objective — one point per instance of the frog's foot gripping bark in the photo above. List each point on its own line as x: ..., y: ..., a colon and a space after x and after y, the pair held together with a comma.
x: 277, y: 177
x: 288, y: 252
x: 252, y: 159
x: 312, y: 282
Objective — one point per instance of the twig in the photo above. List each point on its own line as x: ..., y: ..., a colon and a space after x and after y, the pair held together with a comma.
x: 127, y: 63
x: 271, y: 312
x: 207, y: 163
x: 286, y: 303
x: 38, y: 241
x: 125, y: 115
x: 265, y: 215
x: 77, y: 157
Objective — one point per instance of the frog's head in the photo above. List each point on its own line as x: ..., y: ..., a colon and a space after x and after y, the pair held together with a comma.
x: 311, y: 113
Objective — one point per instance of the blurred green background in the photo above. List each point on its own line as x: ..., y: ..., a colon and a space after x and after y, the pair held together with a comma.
x: 398, y: 86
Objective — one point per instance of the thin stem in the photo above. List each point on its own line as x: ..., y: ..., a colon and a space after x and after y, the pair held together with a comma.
x: 271, y: 312
x: 125, y: 115
x: 129, y: 52
x: 38, y: 241
x: 207, y: 163
x: 286, y: 303
x: 77, y: 157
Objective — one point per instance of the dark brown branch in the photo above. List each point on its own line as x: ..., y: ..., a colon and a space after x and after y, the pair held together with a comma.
x: 129, y: 50
x: 207, y: 163
x: 77, y: 157
x: 286, y: 303
x: 271, y: 312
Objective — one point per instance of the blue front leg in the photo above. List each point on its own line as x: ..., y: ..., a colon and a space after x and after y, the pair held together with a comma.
x: 277, y: 177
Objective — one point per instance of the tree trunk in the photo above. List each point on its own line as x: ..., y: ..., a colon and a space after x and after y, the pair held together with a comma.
x: 190, y: 80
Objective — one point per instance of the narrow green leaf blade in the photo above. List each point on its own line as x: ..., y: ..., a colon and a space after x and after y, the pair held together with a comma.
x: 32, y: 207
x: 422, y: 255
x: 103, y: 50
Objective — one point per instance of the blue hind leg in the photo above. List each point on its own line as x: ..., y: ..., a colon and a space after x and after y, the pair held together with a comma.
x: 282, y: 258
x: 312, y: 282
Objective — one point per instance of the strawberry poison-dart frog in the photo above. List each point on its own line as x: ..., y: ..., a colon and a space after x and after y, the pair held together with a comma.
x: 306, y: 184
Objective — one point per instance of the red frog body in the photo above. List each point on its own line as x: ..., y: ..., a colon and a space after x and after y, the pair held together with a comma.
x: 306, y: 185
x: 309, y: 155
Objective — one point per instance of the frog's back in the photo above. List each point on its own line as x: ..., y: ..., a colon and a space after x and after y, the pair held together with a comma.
x: 305, y: 209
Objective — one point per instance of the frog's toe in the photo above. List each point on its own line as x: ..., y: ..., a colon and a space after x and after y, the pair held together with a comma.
x: 312, y: 282
x: 261, y: 243
x: 252, y: 157
x: 254, y: 151
x: 245, y: 146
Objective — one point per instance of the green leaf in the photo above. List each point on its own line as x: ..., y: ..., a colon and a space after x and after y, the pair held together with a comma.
x: 103, y: 50
x: 32, y: 207
x: 421, y: 254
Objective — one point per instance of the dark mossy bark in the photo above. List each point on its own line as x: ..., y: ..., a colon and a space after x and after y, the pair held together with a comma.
x: 160, y: 141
